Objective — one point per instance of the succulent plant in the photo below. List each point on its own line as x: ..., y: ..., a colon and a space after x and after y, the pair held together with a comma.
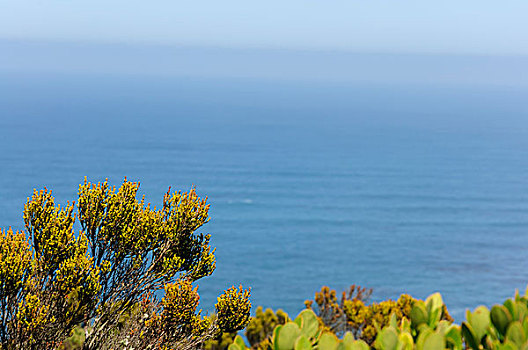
x: 306, y: 333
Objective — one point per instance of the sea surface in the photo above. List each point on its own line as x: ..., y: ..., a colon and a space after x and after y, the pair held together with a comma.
x: 411, y: 188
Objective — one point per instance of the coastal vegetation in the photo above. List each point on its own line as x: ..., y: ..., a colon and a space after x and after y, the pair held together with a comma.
x: 99, y: 287
x: 404, y: 324
x: 110, y: 271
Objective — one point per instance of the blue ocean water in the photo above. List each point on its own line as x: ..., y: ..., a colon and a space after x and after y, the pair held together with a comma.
x: 401, y: 188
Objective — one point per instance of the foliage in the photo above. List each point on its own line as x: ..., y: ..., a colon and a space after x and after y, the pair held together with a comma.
x: 353, y: 314
x: 425, y: 330
x: 220, y: 342
x: 332, y: 313
x: 306, y: 332
x: 260, y: 327
x: 258, y: 332
x: 104, y: 276
x: 233, y: 309
x: 504, y: 327
x: 365, y: 320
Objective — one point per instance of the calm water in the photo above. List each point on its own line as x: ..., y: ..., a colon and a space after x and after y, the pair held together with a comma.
x: 400, y: 188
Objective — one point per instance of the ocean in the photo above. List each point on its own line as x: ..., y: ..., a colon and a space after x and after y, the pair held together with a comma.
x: 403, y: 188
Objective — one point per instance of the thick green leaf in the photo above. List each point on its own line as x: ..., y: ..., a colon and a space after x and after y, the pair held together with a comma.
x: 240, y: 342
x: 303, y: 343
x: 387, y: 339
x: 359, y: 345
x: 406, y: 341
x: 287, y: 336
x: 516, y: 334
x: 470, y: 337
x: 522, y: 311
x: 418, y: 314
x: 500, y: 318
x: 434, y: 341
x: 512, y: 308
x: 422, y: 337
x: 434, y: 305
x: 434, y: 302
x: 506, y: 346
x: 275, y: 338
x: 454, y: 337
x: 310, y: 323
x: 328, y: 341
x: 479, y: 321
x: 348, y: 338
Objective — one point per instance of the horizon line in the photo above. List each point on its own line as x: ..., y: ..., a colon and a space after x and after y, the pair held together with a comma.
x: 254, y: 48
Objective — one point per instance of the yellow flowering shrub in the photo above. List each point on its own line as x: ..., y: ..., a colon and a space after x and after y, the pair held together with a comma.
x: 331, y: 310
x: 179, y: 307
x: 260, y: 327
x: 352, y: 312
x: 98, y: 282
x: 369, y: 318
x: 232, y: 309
x: 15, y: 260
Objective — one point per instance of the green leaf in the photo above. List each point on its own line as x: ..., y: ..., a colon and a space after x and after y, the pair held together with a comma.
x: 516, y: 334
x: 454, y: 337
x: 310, y: 323
x: 434, y: 341
x: 405, y: 324
x: 240, y: 342
x: 287, y: 336
x: 479, y: 321
x: 348, y: 338
x: 359, y: 345
x: 521, y: 310
x: 328, y: 341
x: 434, y: 302
x: 512, y: 308
x: 387, y: 339
x: 422, y: 337
x: 470, y: 336
x: 500, y: 318
x: 393, y: 321
x: 299, y: 321
x: 275, y: 337
x: 303, y: 343
x: 506, y: 346
x: 434, y: 305
x: 406, y: 341
x: 418, y: 314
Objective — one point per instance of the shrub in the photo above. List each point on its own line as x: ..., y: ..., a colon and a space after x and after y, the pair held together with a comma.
x: 332, y: 312
x: 260, y: 327
x: 105, y: 276
x: 353, y: 313
x: 425, y: 331
x: 258, y: 331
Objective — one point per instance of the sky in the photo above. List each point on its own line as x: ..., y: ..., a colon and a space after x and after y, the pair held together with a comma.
x: 406, y: 41
x: 486, y: 27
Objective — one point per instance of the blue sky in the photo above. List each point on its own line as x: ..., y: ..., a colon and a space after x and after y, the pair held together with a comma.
x: 489, y: 27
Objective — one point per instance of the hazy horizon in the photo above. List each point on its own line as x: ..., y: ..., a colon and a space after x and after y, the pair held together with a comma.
x: 406, y: 26
x: 67, y: 57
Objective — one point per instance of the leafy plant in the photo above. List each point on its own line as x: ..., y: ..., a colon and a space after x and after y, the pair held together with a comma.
x: 260, y: 328
x: 426, y: 329
x: 104, y: 276
x: 504, y: 327
x: 306, y: 332
x: 354, y: 314
x: 333, y: 312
